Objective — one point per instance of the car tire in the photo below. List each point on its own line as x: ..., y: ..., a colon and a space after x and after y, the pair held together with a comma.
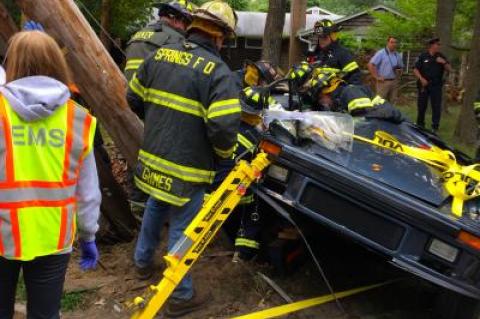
x: 452, y: 305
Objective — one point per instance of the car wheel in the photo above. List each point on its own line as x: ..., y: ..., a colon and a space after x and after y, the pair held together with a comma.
x: 452, y: 305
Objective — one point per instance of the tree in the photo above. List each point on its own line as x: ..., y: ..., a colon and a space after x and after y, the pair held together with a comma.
x: 105, y: 23
x: 7, y: 26
x: 444, y: 24
x: 413, y: 29
x: 466, y: 128
x: 128, y: 15
x: 443, y: 30
x: 272, y: 38
x: 297, y: 22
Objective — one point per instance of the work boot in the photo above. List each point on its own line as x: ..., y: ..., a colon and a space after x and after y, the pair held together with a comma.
x: 144, y: 273
x: 178, y: 308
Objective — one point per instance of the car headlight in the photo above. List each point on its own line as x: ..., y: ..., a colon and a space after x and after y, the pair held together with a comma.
x: 277, y: 172
x: 443, y: 250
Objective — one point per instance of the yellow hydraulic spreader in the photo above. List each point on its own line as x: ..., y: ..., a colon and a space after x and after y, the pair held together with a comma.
x: 199, y: 233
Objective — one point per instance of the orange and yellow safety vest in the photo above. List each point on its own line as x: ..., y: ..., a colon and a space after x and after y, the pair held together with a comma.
x: 39, y: 169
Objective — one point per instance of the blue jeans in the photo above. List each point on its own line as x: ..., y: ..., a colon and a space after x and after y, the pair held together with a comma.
x: 154, y: 217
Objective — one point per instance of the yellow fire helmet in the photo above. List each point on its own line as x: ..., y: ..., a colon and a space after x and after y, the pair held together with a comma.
x: 217, y: 12
x: 325, y: 82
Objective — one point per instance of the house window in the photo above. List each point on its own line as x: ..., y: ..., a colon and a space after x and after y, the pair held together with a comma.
x: 253, y: 43
x: 232, y: 43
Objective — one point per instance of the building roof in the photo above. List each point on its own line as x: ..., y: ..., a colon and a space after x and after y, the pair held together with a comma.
x: 375, y: 8
x: 252, y: 24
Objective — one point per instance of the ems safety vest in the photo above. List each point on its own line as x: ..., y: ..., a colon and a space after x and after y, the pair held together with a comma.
x: 39, y: 168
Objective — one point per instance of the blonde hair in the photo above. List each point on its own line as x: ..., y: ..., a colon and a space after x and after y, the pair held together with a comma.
x: 32, y: 53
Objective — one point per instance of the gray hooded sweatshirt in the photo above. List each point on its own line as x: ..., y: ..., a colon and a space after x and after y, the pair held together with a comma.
x: 36, y: 97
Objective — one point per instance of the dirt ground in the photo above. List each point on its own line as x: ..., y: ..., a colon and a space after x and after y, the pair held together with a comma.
x: 237, y: 288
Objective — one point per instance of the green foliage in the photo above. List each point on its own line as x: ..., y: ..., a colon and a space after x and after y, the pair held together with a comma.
x: 126, y: 15
x: 347, y: 7
x: 411, y: 31
x: 240, y: 5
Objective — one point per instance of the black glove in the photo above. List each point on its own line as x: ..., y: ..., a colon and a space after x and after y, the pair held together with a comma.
x: 385, y: 112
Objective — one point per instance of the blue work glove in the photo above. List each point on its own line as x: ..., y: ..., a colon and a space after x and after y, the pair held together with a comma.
x: 33, y: 26
x: 90, y: 255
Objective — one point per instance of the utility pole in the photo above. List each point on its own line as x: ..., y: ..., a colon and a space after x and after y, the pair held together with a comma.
x: 297, y: 23
x: 7, y: 25
x: 101, y: 82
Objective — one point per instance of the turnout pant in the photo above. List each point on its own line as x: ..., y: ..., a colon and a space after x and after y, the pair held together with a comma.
x: 434, y: 93
x: 44, y: 278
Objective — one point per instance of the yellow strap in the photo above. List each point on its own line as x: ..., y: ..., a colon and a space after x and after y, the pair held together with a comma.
x: 455, y: 176
x: 308, y: 303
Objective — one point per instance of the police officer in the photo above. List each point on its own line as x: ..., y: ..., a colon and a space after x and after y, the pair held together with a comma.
x: 174, y: 18
x: 429, y: 70
x: 192, y: 114
x: 330, y: 92
x: 331, y: 55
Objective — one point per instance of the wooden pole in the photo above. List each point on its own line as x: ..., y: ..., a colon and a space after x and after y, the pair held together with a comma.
x: 7, y: 25
x: 100, y: 81
x: 297, y: 23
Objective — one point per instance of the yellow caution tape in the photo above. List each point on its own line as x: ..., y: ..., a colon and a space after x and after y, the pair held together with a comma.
x: 308, y: 303
x: 455, y: 177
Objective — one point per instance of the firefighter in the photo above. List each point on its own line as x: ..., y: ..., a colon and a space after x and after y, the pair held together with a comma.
x: 246, y: 221
x: 329, y: 92
x: 48, y: 177
x: 174, y: 18
x: 258, y: 73
x: 191, y: 120
x: 331, y: 55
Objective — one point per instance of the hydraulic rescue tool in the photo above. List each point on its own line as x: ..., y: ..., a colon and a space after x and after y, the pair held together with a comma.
x: 199, y: 233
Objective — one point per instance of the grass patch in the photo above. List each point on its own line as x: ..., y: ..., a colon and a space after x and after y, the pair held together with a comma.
x: 73, y: 300
x: 447, y: 125
x: 70, y: 301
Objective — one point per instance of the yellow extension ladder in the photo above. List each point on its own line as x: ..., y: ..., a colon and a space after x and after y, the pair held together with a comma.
x: 199, y: 233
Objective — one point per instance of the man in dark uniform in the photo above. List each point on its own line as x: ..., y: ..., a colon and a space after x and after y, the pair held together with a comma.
x: 174, y: 18
x: 192, y: 114
x: 331, y: 55
x: 429, y: 70
x: 247, y: 220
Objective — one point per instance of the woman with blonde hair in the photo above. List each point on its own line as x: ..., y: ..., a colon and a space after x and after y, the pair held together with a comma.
x: 48, y: 177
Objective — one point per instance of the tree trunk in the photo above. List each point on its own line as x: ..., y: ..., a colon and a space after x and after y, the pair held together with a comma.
x: 115, y: 207
x: 443, y: 29
x: 297, y: 23
x: 466, y: 129
x: 444, y: 24
x: 105, y: 23
x: 272, y: 36
x: 101, y: 82
x: 7, y: 26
